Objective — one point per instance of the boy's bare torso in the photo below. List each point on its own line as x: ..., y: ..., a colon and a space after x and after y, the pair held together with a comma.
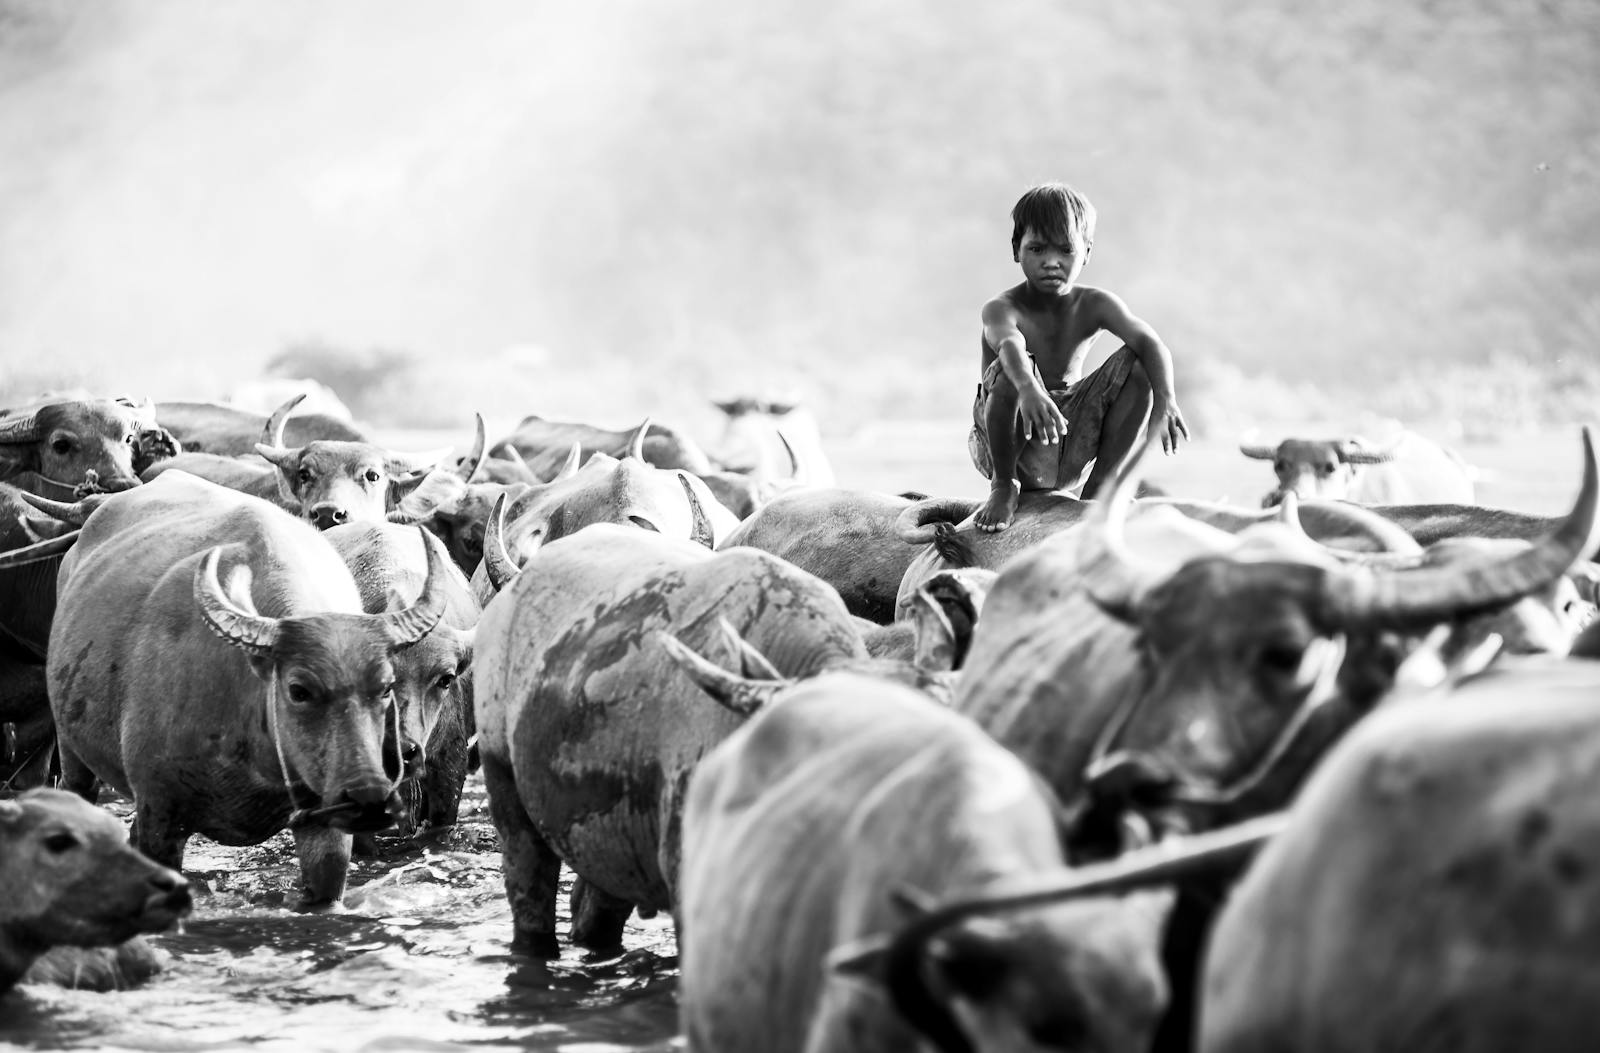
x: 1059, y: 330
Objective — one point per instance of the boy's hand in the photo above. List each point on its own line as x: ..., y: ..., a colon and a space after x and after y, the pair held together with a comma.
x: 1041, y: 418
x: 1168, y: 421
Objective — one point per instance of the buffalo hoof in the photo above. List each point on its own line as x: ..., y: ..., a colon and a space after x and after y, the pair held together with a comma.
x: 535, y: 944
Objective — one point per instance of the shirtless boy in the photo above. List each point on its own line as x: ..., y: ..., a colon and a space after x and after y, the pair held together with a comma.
x: 1038, y: 423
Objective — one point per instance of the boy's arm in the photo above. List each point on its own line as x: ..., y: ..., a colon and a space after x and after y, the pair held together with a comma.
x: 1165, y: 416
x: 1035, y: 408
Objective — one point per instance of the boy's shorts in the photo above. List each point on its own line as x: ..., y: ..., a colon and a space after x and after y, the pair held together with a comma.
x: 1065, y: 465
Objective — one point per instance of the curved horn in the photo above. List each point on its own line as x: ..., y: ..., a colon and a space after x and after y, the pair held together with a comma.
x: 756, y: 666
x: 1361, y: 596
x: 570, y: 467
x: 252, y: 632
x: 918, y: 524
x: 1355, y: 453
x: 37, y: 553
x: 19, y: 429
x: 701, y: 533
x: 497, y: 562
x: 1120, y: 579
x: 416, y: 621
x: 797, y: 474
x: 272, y: 432
x: 1160, y: 864
x: 636, y: 442
x: 75, y: 513
x: 471, y: 466
x: 731, y: 691
x: 1257, y: 452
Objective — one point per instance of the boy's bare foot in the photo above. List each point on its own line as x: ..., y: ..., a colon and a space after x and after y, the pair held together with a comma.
x: 1002, y: 505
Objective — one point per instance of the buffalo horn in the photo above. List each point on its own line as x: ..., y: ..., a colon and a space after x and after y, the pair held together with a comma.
x: 1355, y: 453
x: 731, y: 691
x: 252, y: 632
x: 1122, y: 577
x: 497, y: 562
x: 700, y: 532
x: 754, y: 664
x: 1257, y: 452
x: 19, y: 429
x: 272, y: 432
x: 75, y: 513
x: 471, y: 466
x: 1360, y: 596
x: 38, y: 552
x: 1162, y: 863
x: 636, y: 441
x: 570, y: 467
x: 797, y: 473
x: 416, y: 621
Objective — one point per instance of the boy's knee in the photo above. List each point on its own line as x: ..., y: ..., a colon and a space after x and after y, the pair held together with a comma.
x: 1001, y: 386
x: 1138, y: 379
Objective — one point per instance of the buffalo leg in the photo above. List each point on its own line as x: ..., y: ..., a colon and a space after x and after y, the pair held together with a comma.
x: 324, y: 864
x: 447, y: 772
x: 75, y: 775
x: 597, y: 917
x: 157, y: 833
x: 532, y: 869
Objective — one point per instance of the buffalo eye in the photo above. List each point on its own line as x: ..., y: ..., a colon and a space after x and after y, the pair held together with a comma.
x: 1327, y: 469
x: 62, y: 446
x: 1281, y: 657
x: 129, y: 439
x: 299, y: 693
x: 1280, y: 466
x: 372, y: 475
x: 304, y: 475
x: 60, y: 842
x: 444, y: 681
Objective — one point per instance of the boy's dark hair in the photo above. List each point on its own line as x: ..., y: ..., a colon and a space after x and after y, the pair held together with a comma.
x: 1056, y: 211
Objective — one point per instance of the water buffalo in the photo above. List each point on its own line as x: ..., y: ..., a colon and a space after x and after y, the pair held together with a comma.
x: 626, y: 492
x: 64, y: 449
x: 229, y: 710
x: 432, y: 677
x: 948, y: 538
x: 587, y: 728
x: 1199, y: 674
x: 70, y: 877
x: 332, y: 482
x: 890, y: 800
x: 1434, y: 887
x: 545, y: 444
x: 1409, y: 469
x: 228, y: 431
x: 848, y: 538
x: 773, y: 442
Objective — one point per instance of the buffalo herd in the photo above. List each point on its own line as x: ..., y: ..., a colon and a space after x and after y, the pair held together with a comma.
x: 1136, y: 773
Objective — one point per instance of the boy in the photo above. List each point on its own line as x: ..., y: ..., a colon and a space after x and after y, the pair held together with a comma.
x: 1038, y: 423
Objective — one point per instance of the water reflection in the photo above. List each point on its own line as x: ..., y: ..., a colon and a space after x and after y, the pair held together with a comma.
x: 421, y: 961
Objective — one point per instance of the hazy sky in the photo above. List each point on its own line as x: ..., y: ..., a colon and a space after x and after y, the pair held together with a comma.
x: 674, y: 197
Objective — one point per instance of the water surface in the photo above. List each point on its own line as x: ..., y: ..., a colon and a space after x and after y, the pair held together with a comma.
x: 420, y: 961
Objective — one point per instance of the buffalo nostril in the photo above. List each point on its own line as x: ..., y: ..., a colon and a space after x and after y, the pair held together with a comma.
x: 325, y: 516
x: 169, y: 881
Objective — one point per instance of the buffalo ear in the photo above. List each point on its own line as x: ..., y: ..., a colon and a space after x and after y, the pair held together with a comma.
x: 945, y: 612
x: 18, y: 457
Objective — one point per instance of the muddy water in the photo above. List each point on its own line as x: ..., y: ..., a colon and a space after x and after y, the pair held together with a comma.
x: 419, y: 962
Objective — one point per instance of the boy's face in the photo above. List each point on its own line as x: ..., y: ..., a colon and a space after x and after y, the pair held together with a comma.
x: 1050, y: 267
